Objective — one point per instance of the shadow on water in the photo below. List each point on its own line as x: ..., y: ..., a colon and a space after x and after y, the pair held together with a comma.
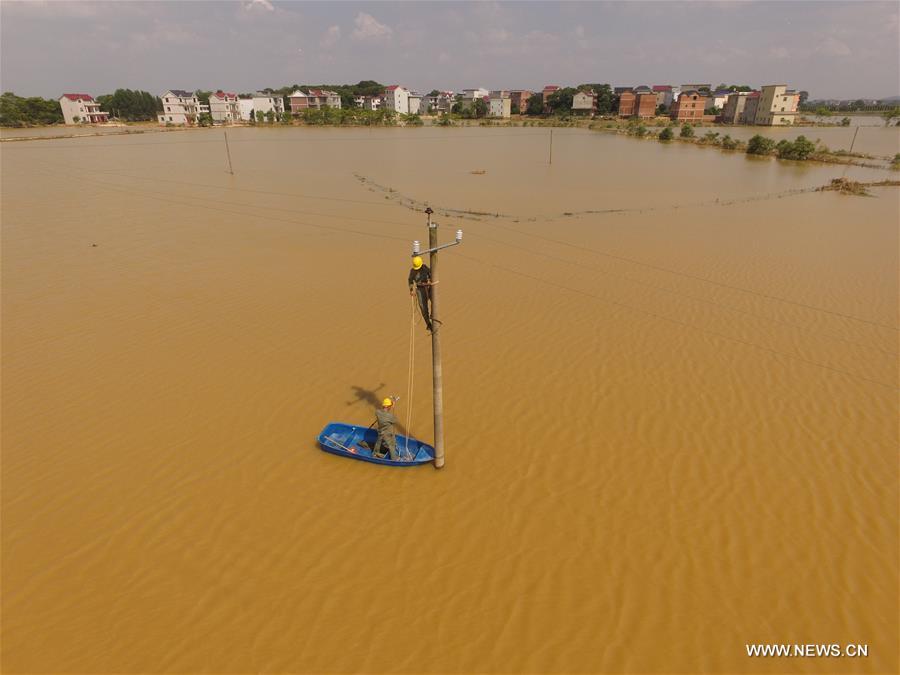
x: 363, y: 395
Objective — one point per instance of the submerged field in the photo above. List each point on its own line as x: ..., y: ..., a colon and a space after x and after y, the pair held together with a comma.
x: 670, y: 387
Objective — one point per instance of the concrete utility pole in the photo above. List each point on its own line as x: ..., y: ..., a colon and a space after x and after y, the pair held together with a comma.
x: 437, y: 374
x: 228, y: 152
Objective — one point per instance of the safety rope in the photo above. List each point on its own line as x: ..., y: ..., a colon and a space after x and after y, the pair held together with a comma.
x: 411, y: 368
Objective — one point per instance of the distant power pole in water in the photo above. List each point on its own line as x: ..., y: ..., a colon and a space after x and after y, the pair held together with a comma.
x: 437, y: 373
x: 228, y: 152
x: 854, y: 139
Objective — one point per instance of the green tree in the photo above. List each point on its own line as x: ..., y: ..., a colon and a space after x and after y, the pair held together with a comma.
x: 286, y: 117
x: 845, y: 122
x: 260, y: 117
x: 666, y: 134
x: 16, y: 111
x: 514, y: 109
x: 729, y: 143
x: 800, y: 149
x: 270, y: 116
x: 131, y: 105
x: 687, y: 131
x: 479, y: 107
x: 252, y: 117
x: 760, y: 145
x: 560, y: 101
x: 205, y: 120
x: 535, y: 105
x: 822, y: 111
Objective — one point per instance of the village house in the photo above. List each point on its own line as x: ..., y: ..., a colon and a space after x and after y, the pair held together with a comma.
x: 81, y: 109
x: 637, y: 102
x: 519, y: 99
x: 499, y: 106
x: 584, y: 103
x: 314, y: 99
x: 266, y: 103
x: 626, y: 102
x: 245, y: 108
x: 548, y: 91
x: 734, y: 107
x: 664, y: 95
x: 717, y: 99
x: 368, y: 102
x: 179, y: 107
x: 751, y: 106
x: 224, y: 107
x: 689, y: 107
x: 441, y: 103
x: 777, y: 105
x: 396, y: 98
x: 414, y: 102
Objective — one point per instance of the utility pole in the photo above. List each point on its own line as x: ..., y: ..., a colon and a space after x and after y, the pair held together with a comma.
x: 228, y: 152
x: 854, y: 139
x: 437, y: 373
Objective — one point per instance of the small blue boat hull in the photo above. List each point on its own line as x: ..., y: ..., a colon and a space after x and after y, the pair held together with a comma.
x: 344, y: 440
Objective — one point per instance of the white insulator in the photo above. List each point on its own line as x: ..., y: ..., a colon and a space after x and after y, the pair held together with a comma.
x: 459, y: 235
x: 416, y: 247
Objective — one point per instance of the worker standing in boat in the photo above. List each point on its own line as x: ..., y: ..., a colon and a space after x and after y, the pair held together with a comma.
x: 385, y: 421
x: 420, y: 283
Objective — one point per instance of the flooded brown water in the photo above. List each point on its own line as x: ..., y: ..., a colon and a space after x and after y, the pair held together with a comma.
x: 671, y: 416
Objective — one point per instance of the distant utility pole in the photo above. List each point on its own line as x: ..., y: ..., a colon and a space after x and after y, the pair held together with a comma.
x: 551, y: 146
x: 228, y: 152
x: 854, y: 139
x: 437, y: 374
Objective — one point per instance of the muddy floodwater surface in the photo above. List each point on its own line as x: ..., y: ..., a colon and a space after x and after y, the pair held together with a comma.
x: 670, y: 385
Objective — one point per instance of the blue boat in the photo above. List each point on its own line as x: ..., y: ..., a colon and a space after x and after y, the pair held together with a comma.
x: 344, y: 440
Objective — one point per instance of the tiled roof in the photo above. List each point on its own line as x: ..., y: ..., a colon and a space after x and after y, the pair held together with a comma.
x: 79, y: 97
x: 662, y: 87
x: 181, y: 93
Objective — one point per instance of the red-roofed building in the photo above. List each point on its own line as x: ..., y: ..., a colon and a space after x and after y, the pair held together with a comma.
x: 81, y: 109
x: 224, y: 107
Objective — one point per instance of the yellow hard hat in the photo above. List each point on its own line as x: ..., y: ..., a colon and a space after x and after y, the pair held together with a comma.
x: 417, y: 263
x: 387, y: 403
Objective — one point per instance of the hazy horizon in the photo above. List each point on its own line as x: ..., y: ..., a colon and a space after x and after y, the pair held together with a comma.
x: 843, y: 50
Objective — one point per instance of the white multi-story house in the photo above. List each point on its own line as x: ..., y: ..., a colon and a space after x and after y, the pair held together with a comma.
x: 81, y: 109
x: 499, y: 106
x: 245, y: 108
x: 267, y: 102
x: 369, y: 102
x: 223, y: 107
x: 471, y: 94
x: 179, y: 107
x: 396, y: 98
x: 777, y: 105
x: 717, y: 99
x: 415, y: 103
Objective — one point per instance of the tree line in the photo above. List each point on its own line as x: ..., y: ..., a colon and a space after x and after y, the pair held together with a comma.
x: 126, y: 104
